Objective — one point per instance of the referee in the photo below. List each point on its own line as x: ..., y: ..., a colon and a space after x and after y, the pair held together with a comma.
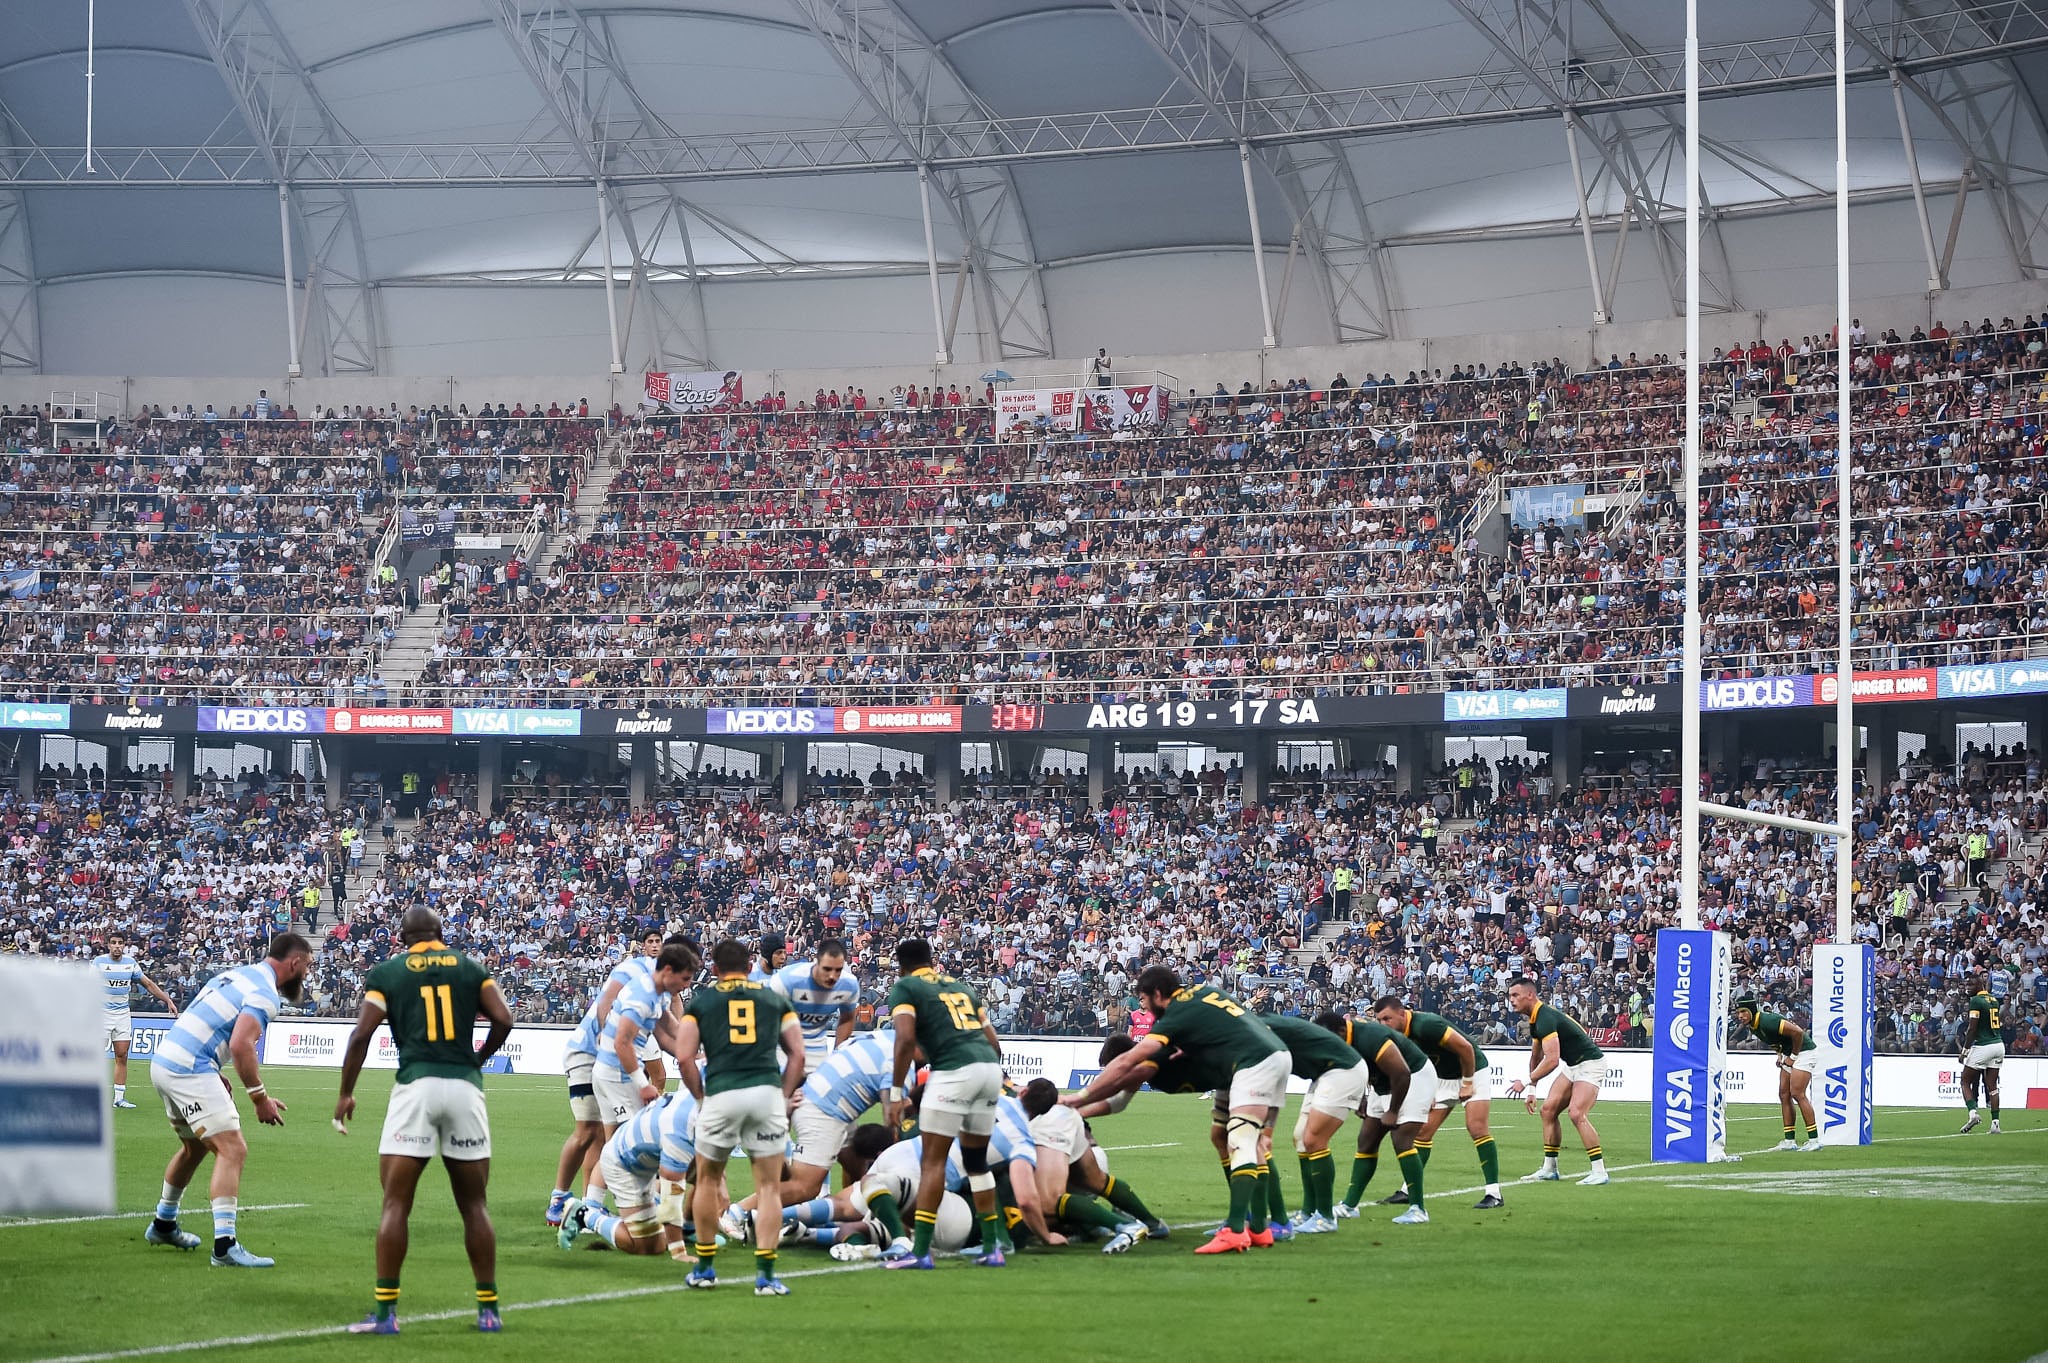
x: 432, y: 995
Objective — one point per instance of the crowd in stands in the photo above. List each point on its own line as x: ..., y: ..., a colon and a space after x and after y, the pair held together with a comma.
x: 1334, y: 892
x: 197, y: 559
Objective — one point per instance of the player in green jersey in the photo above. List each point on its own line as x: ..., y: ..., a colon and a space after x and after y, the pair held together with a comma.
x: 1798, y: 1062
x: 1983, y: 1050
x: 1216, y: 1044
x: 1400, y: 1091
x: 1558, y: 1045
x: 944, y: 1018
x: 432, y: 996
x: 1461, y: 1077
x: 1338, y: 1080
x: 738, y: 1025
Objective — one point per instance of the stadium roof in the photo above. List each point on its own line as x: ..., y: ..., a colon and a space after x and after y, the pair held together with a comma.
x: 465, y: 140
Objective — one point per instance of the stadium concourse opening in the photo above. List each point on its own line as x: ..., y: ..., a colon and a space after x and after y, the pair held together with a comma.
x: 952, y: 619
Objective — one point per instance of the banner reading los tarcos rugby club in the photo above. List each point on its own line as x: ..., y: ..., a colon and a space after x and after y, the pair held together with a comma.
x: 1688, y: 1080
x: 709, y: 390
x: 1082, y: 409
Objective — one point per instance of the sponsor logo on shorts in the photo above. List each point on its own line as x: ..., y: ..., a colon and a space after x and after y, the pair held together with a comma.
x: 466, y: 1142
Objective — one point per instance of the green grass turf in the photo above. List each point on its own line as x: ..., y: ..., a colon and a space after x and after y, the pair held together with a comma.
x: 1945, y: 1260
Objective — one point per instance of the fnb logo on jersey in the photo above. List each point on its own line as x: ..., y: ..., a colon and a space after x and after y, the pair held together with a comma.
x: 1756, y: 693
x: 251, y: 719
x: 757, y: 720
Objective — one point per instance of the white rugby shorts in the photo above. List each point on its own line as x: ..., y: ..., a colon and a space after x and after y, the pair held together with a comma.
x: 198, y: 1105
x: 436, y: 1114
x: 961, y: 1102
x: 751, y: 1119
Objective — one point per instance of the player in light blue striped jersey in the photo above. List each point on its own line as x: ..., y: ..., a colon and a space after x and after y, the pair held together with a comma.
x: 592, y: 1126
x: 646, y: 1164
x: 844, y: 1086
x: 121, y: 973
x: 825, y: 994
x: 642, y: 1010
x: 227, y: 1018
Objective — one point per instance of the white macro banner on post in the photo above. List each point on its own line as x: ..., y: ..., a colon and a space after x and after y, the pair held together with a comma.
x: 56, y: 1094
x: 1846, y: 1092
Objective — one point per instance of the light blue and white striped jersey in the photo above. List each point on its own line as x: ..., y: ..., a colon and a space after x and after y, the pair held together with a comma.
x: 819, y: 1011
x: 644, y: 1004
x: 583, y: 1041
x: 658, y: 1136
x: 1011, y: 1140
x: 195, y: 1041
x: 120, y: 977
x: 852, y: 1079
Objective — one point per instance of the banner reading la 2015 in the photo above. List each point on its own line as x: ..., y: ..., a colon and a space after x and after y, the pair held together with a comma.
x: 709, y: 390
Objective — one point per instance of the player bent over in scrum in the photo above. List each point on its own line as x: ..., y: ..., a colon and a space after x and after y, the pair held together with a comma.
x: 646, y: 1165
x: 1558, y: 1045
x: 227, y: 1018
x: 1462, y: 1077
x: 1798, y: 1062
x: 1070, y: 1169
x: 1338, y: 1079
x: 738, y: 1026
x: 1400, y: 1094
x: 433, y: 996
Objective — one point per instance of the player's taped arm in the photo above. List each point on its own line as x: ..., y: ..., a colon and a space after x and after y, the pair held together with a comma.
x: 1545, y: 1062
x: 844, y: 1033
x: 490, y: 1001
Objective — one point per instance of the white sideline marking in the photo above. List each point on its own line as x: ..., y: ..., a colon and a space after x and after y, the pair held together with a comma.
x: 12, y: 1223
x: 465, y: 1313
x: 1155, y: 1145
x: 628, y: 1293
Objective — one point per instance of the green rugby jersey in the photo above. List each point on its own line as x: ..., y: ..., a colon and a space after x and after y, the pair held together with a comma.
x: 1215, y: 1034
x: 949, y: 1019
x: 430, y: 995
x: 1428, y: 1031
x: 1574, y: 1047
x: 1770, y: 1028
x: 741, y: 1025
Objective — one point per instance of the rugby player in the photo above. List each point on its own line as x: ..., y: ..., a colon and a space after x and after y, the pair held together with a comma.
x: 1983, y: 1051
x: 1338, y: 1079
x: 738, y: 1025
x: 588, y: 1135
x: 1558, y: 1045
x: 228, y: 1016
x: 1069, y: 1162
x: 121, y: 973
x: 1461, y: 1077
x: 826, y: 996
x: 1402, y: 1091
x: 774, y: 956
x: 1798, y: 1062
x: 645, y: 1007
x: 944, y: 1018
x: 871, y: 1211
x: 647, y: 1165
x: 1215, y: 1042
x: 433, y: 996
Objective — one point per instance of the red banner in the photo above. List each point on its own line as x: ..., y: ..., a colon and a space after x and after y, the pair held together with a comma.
x: 1916, y: 684
x: 899, y: 719
x: 390, y: 721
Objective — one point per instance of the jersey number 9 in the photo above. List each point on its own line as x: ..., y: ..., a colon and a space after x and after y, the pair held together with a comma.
x: 966, y: 1017
x: 739, y: 1021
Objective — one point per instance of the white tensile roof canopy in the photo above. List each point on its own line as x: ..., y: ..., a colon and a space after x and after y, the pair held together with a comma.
x: 427, y: 142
